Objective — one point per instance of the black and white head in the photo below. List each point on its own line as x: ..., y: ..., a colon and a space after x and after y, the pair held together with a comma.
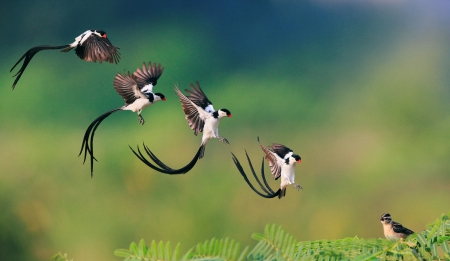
x: 221, y: 113
x: 386, y: 218
x: 100, y: 33
x: 159, y: 97
x: 291, y: 158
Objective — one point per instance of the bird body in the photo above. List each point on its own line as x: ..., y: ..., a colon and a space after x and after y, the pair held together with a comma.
x: 282, y: 163
x: 201, y: 116
x: 91, y: 46
x: 393, y: 230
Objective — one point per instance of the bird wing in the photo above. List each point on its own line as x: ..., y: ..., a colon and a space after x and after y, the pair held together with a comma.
x: 274, y: 162
x: 147, y: 77
x: 280, y: 149
x: 398, y: 228
x: 198, y: 97
x: 96, y: 48
x: 125, y: 85
x: 194, y: 114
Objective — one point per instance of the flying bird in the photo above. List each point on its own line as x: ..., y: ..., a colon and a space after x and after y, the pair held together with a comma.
x: 91, y: 46
x: 393, y: 230
x: 201, y: 117
x: 282, y: 163
x: 137, y: 91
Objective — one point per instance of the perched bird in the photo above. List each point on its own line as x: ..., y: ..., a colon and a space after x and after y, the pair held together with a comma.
x: 282, y: 162
x: 393, y: 230
x: 91, y: 46
x: 201, y: 116
x: 137, y: 91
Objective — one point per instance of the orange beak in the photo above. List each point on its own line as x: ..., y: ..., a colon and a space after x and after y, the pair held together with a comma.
x: 299, y: 161
x: 229, y: 116
x: 104, y: 36
x: 164, y: 98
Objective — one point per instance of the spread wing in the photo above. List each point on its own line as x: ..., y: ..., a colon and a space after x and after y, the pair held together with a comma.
x: 274, y: 162
x: 148, y: 76
x: 398, y: 228
x: 194, y: 114
x: 198, y: 97
x: 125, y: 85
x: 280, y: 149
x: 96, y: 48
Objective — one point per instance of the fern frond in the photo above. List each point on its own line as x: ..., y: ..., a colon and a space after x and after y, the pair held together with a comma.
x: 214, y: 249
x: 276, y: 243
x: 156, y: 252
x: 60, y: 257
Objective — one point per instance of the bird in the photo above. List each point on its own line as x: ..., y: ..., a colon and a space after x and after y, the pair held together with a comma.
x: 91, y: 46
x: 137, y: 91
x: 282, y: 161
x: 201, y: 116
x: 393, y: 230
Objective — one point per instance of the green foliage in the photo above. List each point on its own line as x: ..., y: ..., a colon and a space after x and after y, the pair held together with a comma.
x: 60, y: 257
x: 276, y: 244
x: 155, y: 251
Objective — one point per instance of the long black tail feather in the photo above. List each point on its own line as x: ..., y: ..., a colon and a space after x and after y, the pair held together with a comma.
x: 163, y: 168
x: 88, y: 139
x: 28, y: 56
x: 267, y: 191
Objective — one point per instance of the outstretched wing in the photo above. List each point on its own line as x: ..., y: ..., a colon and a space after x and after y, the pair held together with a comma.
x: 274, y: 161
x: 96, y: 48
x: 198, y: 97
x: 280, y: 149
x: 398, y: 228
x: 148, y: 76
x: 125, y: 85
x: 194, y: 114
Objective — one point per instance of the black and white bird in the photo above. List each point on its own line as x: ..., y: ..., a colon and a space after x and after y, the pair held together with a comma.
x: 393, y: 230
x: 137, y: 91
x: 201, y: 116
x: 91, y: 46
x: 282, y: 161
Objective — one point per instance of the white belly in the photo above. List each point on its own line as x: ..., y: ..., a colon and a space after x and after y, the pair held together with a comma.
x: 138, y: 105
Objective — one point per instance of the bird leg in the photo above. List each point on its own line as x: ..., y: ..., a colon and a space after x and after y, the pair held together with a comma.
x: 141, y: 119
x: 297, y: 186
x: 224, y: 140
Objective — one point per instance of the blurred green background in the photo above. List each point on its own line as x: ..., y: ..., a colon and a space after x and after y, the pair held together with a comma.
x: 359, y: 89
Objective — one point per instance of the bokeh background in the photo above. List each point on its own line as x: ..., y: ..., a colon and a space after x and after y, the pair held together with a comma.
x: 360, y: 89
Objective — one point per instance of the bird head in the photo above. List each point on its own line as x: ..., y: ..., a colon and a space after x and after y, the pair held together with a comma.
x: 224, y: 112
x: 293, y: 158
x: 100, y: 33
x: 159, y: 96
x: 386, y: 218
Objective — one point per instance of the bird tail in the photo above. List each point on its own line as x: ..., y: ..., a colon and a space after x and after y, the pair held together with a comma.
x: 67, y: 48
x: 282, y: 193
x: 202, y: 151
x: 88, y: 139
x: 28, y: 56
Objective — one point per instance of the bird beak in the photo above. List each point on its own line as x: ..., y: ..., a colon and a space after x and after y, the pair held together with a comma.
x: 299, y: 161
x: 104, y: 36
x: 164, y: 98
x: 229, y: 116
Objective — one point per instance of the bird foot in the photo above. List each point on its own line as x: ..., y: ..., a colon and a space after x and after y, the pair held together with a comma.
x: 297, y: 186
x: 141, y: 120
x: 224, y: 140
